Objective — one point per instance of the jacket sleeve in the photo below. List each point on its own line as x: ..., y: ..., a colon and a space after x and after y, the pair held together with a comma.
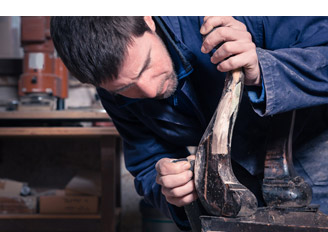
x: 294, y: 78
x: 293, y: 57
x: 142, y: 149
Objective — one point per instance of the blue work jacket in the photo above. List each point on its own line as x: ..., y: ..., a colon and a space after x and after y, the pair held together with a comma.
x: 293, y: 57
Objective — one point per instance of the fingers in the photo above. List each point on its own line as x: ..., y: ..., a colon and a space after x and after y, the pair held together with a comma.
x: 182, y: 201
x: 176, y: 180
x: 236, y: 48
x: 166, y: 167
x: 229, y: 49
x: 211, y: 22
x: 249, y: 64
x: 180, y: 191
x: 191, y: 157
x: 172, y: 175
x: 224, y: 34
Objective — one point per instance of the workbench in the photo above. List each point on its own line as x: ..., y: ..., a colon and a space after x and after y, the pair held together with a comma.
x: 107, y: 145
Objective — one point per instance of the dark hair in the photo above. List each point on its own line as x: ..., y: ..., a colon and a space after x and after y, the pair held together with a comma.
x: 93, y: 48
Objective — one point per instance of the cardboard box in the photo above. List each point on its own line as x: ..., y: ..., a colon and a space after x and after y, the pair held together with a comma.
x: 68, y: 204
x: 26, y: 205
x: 69, y: 192
x: 10, y: 188
x: 85, y: 182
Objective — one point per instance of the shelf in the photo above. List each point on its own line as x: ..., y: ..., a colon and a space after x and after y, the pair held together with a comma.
x: 58, y: 131
x: 50, y: 216
x: 88, y: 115
x: 55, y: 216
x: 103, y: 140
x: 52, y: 222
x: 38, y: 224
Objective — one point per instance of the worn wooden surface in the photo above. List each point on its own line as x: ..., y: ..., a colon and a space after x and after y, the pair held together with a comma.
x: 270, y: 220
x: 287, y: 195
x: 218, y: 189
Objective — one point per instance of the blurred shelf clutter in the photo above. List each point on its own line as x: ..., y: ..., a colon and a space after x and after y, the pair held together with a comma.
x: 59, y: 151
x: 80, y: 196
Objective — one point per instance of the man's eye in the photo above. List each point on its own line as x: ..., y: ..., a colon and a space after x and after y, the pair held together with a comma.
x: 123, y: 90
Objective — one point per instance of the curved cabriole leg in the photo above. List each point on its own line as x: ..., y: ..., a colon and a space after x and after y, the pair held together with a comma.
x: 281, y: 185
x: 218, y: 189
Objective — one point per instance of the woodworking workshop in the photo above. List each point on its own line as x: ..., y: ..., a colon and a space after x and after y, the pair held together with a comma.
x: 163, y: 123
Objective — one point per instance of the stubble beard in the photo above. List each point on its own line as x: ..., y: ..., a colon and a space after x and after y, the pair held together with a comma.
x: 171, y: 88
x: 171, y: 78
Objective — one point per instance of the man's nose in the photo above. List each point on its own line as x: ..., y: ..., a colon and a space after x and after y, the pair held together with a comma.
x: 147, y: 87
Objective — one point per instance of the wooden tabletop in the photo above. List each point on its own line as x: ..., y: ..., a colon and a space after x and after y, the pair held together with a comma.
x: 58, y: 131
x: 56, y: 115
x: 99, y: 115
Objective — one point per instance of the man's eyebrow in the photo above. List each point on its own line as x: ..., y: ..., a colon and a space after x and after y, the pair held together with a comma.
x: 144, y: 67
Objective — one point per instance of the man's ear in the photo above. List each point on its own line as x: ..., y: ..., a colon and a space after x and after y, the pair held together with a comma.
x: 150, y: 22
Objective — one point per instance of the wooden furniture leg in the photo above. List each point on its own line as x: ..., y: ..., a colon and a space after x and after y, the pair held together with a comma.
x: 109, y: 174
x: 287, y: 195
x: 218, y: 189
x: 282, y: 187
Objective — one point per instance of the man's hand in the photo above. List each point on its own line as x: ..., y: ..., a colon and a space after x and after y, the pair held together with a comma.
x: 176, y: 180
x: 237, y: 49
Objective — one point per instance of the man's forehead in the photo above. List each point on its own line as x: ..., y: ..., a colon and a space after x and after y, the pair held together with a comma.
x: 137, y: 54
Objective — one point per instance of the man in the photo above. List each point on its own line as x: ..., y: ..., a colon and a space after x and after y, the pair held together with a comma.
x: 161, y: 82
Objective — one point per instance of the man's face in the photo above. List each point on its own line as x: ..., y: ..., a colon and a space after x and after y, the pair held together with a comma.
x: 147, y: 70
